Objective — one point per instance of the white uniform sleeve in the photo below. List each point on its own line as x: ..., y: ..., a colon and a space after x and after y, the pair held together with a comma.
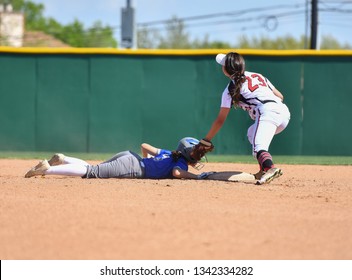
x: 226, y: 100
x: 270, y: 85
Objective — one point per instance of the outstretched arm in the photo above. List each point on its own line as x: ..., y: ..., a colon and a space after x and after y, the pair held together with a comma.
x: 217, y: 124
x: 148, y: 149
x: 183, y: 174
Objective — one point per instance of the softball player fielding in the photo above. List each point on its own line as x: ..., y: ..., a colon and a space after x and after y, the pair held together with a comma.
x: 264, y: 103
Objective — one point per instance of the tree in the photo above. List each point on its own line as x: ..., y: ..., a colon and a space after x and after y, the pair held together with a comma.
x: 148, y: 38
x: 176, y: 37
x: 33, y: 13
x: 205, y: 44
x: 100, y: 36
x: 280, y: 43
x: 329, y: 42
x: 287, y: 43
x: 73, y: 34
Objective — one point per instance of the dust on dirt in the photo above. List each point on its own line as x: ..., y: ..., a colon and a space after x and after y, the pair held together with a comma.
x: 305, y: 214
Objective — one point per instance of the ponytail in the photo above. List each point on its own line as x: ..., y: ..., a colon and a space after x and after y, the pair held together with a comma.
x: 234, y: 89
x: 235, y: 66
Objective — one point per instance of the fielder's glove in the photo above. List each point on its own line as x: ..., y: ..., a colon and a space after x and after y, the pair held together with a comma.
x: 207, y: 144
x: 204, y: 146
x: 204, y: 175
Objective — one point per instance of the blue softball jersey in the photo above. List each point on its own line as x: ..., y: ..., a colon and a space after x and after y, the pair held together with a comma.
x: 161, y: 166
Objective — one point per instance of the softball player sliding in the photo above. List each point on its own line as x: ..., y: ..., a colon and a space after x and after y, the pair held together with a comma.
x: 155, y: 164
x: 264, y: 103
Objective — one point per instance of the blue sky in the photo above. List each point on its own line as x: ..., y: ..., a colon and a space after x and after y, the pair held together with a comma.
x: 226, y: 20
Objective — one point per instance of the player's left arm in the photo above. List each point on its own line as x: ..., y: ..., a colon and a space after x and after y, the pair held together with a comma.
x: 278, y: 94
x: 179, y: 173
x: 274, y: 90
x: 150, y: 150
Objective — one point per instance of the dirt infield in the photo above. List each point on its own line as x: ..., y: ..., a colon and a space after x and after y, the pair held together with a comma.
x: 305, y: 214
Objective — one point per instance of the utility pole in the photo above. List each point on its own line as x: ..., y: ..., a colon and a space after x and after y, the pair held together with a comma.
x: 314, y: 25
x: 128, y: 33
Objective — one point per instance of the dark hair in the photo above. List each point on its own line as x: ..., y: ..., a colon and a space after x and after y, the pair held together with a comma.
x: 176, y: 155
x: 197, y: 155
x: 235, y: 66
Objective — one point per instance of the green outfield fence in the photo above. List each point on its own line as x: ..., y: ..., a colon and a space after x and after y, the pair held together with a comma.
x: 109, y: 100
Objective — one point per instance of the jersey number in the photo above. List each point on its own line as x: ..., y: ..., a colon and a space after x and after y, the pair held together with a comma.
x: 252, y: 87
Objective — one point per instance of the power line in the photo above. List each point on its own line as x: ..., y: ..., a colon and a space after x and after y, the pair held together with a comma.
x: 264, y: 18
x: 216, y: 15
x: 260, y: 17
x: 153, y: 25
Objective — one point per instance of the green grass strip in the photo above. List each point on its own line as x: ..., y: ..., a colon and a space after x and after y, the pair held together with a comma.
x: 282, y: 159
x: 279, y: 159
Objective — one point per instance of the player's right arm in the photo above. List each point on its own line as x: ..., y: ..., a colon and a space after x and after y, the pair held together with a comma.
x: 179, y: 173
x: 217, y: 124
x: 150, y: 150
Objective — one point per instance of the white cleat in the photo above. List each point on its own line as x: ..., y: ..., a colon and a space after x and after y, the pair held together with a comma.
x: 39, y: 169
x: 56, y: 159
x: 269, y: 175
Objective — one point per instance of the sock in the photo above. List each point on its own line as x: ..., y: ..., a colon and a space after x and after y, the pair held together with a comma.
x: 265, y: 160
x: 74, y: 160
x: 67, y: 170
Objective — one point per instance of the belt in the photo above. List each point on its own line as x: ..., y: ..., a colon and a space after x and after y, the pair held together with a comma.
x: 267, y: 101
